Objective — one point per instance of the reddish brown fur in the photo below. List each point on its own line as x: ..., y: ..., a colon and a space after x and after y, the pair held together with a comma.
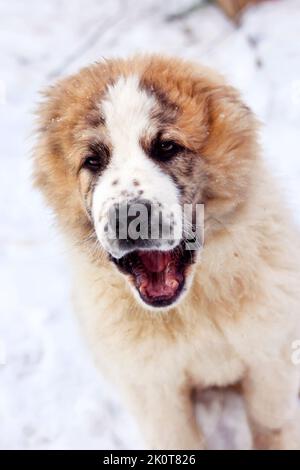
x: 198, y: 109
x: 240, y: 316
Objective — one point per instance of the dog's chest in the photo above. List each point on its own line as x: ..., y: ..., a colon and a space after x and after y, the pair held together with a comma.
x: 200, y: 354
x: 204, y: 356
x: 159, y: 348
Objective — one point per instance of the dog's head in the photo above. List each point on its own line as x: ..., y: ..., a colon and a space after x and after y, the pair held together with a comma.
x: 126, y: 152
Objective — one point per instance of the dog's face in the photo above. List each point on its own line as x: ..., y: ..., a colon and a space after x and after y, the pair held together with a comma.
x: 125, y: 146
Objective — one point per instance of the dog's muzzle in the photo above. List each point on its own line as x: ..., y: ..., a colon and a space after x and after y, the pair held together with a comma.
x: 146, y: 243
x: 140, y: 224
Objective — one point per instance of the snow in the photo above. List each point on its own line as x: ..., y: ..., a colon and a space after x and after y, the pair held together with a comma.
x: 51, y: 396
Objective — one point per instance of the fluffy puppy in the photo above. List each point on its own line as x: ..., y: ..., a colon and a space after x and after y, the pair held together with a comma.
x: 163, y: 319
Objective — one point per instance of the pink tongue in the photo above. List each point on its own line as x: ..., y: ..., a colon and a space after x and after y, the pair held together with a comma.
x: 155, y: 261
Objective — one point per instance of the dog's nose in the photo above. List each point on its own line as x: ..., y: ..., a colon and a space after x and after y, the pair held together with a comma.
x: 131, y: 223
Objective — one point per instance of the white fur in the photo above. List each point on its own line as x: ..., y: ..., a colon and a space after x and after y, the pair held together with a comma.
x: 126, y: 109
x: 213, y: 337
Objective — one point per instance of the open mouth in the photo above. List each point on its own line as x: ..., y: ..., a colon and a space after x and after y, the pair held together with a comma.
x: 159, y: 276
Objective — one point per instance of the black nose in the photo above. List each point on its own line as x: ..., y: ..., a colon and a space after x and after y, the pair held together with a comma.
x: 130, y: 223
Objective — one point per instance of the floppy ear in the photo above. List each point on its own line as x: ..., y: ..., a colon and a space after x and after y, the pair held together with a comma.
x: 49, y: 170
x: 56, y: 115
x: 230, y: 152
x: 232, y: 123
x: 53, y: 174
x: 66, y: 105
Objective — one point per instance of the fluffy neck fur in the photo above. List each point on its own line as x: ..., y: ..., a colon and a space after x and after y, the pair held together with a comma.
x: 226, y: 276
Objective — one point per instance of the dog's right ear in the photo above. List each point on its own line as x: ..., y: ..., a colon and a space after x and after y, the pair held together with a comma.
x: 70, y: 104
x: 67, y: 109
x: 54, y: 159
x: 57, y: 115
x: 48, y: 146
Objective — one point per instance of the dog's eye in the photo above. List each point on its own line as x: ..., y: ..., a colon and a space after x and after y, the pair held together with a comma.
x: 92, y: 163
x: 165, y: 149
x: 97, y: 157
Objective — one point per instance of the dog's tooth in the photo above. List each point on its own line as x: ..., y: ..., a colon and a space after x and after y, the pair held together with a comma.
x: 142, y: 280
x: 143, y: 288
x: 172, y: 283
x: 170, y: 267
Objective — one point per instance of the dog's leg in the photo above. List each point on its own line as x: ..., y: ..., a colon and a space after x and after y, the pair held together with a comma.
x: 166, y: 418
x: 271, y: 394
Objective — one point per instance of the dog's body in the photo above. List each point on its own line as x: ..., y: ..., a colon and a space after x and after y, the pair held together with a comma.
x: 236, y: 317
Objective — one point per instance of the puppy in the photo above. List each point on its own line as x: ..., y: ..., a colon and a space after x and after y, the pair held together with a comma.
x: 166, y: 315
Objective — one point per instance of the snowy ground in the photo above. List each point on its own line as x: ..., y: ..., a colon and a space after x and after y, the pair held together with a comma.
x: 50, y: 394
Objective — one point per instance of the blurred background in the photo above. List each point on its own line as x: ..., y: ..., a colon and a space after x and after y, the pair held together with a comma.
x: 51, y: 396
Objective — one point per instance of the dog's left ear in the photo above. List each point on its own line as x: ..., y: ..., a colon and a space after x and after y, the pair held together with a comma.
x: 230, y: 152
x: 233, y: 127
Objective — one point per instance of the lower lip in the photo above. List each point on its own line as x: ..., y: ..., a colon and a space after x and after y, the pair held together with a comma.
x: 163, y: 301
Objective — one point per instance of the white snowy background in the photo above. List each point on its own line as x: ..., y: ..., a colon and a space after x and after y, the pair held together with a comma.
x: 51, y: 396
